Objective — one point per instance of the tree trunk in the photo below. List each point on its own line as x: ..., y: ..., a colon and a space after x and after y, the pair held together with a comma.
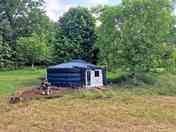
x: 32, y: 65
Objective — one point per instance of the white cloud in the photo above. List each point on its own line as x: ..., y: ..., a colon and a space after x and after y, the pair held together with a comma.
x: 52, y: 9
x: 55, y: 8
x: 97, y: 2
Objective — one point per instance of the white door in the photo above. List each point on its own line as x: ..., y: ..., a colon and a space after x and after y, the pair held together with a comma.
x: 94, y: 78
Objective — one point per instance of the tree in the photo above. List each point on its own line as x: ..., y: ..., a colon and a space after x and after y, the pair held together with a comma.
x: 76, y: 36
x: 19, y: 18
x: 137, y: 28
x: 34, y: 49
x: 108, y: 36
x: 5, y: 55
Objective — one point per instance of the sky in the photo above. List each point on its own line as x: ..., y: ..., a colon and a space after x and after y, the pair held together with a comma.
x: 56, y: 8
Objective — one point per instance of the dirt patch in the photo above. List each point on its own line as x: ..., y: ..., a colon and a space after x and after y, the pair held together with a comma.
x: 36, y: 93
x: 55, y: 92
x: 24, y: 95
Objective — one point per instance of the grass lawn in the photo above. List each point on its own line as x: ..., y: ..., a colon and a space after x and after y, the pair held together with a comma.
x: 124, y: 108
x: 12, y: 80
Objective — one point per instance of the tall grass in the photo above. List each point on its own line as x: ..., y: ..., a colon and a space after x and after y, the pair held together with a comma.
x: 163, y: 83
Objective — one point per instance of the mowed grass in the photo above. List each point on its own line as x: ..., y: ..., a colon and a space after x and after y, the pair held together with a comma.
x: 10, y: 81
x: 70, y: 114
x: 148, y: 105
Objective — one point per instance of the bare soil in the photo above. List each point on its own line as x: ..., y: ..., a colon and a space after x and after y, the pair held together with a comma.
x: 36, y: 93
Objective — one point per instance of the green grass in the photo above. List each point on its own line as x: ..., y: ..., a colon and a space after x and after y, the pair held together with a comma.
x: 148, y: 84
x: 10, y: 81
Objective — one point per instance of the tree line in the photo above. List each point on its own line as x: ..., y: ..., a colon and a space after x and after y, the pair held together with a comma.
x: 136, y: 35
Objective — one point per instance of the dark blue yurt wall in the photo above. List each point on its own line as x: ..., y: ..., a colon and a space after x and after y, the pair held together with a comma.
x: 65, y: 77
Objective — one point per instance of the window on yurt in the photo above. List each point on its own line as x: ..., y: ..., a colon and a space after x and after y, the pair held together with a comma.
x: 97, y: 74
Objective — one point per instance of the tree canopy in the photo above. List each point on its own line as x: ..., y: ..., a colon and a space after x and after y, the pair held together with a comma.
x: 135, y: 35
x: 19, y: 19
x: 76, y: 36
x: 134, y: 32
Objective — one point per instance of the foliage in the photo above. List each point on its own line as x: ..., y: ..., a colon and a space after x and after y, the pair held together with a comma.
x: 18, y: 18
x: 107, y: 36
x: 5, y: 55
x: 21, y: 18
x: 76, y: 36
x: 136, y: 29
x: 32, y: 50
x: 136, y: 35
